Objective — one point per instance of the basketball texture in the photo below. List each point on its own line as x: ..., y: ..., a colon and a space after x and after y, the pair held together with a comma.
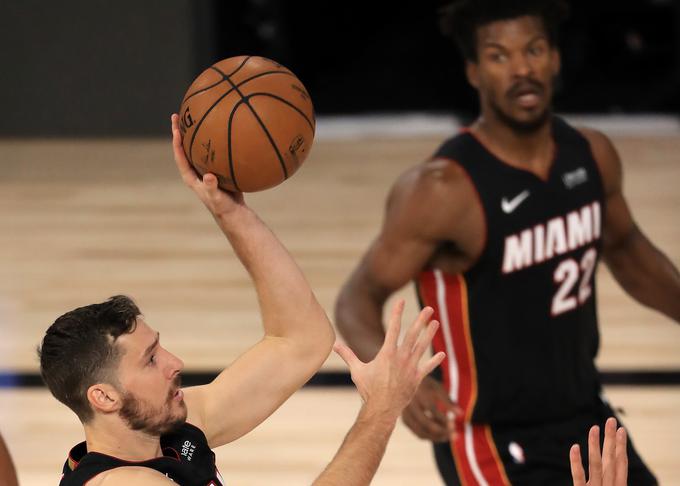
x: 249, y: 121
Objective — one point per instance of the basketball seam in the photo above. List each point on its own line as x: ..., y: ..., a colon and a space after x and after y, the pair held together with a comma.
x: 238, y: 68
x: 246, y: 101
x: 285, y: 101
x: 232, y: 89
x: 231, y: 162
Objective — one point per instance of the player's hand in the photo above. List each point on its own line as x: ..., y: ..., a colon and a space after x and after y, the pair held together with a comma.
x: 608, y: 469
x: 431, y: 414
x: 218, y: 202
x: 387, y: 383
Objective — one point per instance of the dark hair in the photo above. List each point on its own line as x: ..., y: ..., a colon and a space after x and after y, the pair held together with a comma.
x: 79, y: 350
x: 460, y: 20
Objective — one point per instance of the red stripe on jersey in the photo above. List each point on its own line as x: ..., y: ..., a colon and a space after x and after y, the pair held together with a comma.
x: 447, y: 294
x: 427, y: 291
x: 487, y: 456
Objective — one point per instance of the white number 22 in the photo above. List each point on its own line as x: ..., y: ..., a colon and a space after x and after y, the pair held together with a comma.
x: 566, y: 274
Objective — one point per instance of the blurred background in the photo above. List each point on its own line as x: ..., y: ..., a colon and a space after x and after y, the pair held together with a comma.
x: 97, y: 68
x: 91, y: 205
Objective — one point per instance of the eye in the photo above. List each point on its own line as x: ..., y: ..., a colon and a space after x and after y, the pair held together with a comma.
x: 152, y: 359
x: 498, y: 57
x: 536, y: 50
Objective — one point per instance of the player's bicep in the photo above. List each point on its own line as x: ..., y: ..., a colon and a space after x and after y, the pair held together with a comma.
x: 248, y: 391
x: 618, y: 221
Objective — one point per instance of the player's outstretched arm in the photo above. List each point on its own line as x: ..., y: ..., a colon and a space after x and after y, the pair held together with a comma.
x: 643, y: 271
x: 297, y: 333
x: 386, y: 385
x: 610, y: 468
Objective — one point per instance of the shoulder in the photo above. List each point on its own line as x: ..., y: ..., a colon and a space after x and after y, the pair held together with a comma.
x: 439, y: 178
x: 131, y: 476
x: 605, y: 155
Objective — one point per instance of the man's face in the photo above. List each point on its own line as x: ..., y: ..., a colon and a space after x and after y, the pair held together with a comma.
x: 514, y: 72
x: 150, y: 380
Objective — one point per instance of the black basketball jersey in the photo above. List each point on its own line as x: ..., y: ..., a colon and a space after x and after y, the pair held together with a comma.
x: 187, y: 460
x: 520, y: 326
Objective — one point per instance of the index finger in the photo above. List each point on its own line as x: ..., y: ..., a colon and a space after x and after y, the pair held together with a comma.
x: 394, y: 325
x: 185, y: 170
x: 578, y: 475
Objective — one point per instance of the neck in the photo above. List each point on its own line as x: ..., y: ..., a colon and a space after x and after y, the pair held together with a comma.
x: 532, y: 150
x: 114, y: 438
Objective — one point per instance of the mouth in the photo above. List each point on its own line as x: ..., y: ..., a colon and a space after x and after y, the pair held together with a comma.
x: 178, y: 396
x: 526, y: 95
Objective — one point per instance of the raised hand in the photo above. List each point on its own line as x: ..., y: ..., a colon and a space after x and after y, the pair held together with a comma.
x: 218, y: 202
x: 607, y: 469
x: 388, y: 383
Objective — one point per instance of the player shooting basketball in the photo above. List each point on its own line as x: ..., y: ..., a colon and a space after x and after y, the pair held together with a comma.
x: 502, y: 231
x: 108, y: 365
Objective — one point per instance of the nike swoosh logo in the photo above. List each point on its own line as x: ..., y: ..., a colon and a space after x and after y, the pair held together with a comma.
x: 511, y: 205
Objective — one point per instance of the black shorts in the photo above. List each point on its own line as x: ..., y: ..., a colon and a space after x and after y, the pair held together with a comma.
x: 527, y: 455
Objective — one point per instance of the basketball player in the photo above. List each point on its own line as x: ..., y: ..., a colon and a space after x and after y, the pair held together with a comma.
x: 107, y: 364
x: 502, y: 230
x: 8, y: 476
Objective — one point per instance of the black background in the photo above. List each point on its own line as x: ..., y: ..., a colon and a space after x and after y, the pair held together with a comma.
x: 100, y: 68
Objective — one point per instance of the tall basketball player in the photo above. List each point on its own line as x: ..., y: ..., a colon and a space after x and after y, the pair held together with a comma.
x: 502, y: 230
x: 107, y: 364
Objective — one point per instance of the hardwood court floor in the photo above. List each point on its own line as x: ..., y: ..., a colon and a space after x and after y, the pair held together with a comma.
x: 83, y: 220
x: 294, y: 445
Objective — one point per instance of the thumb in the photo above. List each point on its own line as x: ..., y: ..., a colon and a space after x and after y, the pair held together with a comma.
x: 346, y: 354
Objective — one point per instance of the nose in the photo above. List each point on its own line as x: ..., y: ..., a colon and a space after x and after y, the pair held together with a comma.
x: 521, y: 66
x: 175, y: 365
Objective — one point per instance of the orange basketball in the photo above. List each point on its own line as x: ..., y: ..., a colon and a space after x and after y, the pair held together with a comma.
x: 249, y: 121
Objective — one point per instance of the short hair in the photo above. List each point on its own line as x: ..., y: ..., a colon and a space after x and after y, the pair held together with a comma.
x: 79, y: 350
x: 460, y: 20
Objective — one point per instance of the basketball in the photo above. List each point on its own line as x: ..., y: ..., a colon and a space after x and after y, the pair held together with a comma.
x: 249, y: 121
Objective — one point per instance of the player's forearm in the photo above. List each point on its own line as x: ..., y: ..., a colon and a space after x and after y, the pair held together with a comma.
x: 359, y: 456
x: 646, y: 274
x: 358, y: 318
x: 288, y: 305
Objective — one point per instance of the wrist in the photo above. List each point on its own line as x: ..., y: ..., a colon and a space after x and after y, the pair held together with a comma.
x: 381, y: 415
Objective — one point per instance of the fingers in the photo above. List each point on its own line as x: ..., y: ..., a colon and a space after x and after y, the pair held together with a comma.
x: 414, y: 331
x: 425, y: 340
x: 186, y: 171
x: 431, y: 364
x: 394, y: 325
x: 347, y: 355
x: 608, y: 452
x: 594, y: 457
x: 431, y: 428
x: 621, y: 458
x: 578, y: 475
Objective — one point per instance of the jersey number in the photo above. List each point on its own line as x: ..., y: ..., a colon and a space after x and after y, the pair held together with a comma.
x: 567, y: 274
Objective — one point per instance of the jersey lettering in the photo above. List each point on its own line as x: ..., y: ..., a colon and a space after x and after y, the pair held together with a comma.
x: 555, y: 237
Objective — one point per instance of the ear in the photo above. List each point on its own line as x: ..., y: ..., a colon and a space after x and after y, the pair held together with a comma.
x: 472, y: 73
x: 104, y: 398
x: 555, y: 61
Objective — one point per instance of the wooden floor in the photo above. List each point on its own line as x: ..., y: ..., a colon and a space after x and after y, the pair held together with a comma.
x: 83, y: 220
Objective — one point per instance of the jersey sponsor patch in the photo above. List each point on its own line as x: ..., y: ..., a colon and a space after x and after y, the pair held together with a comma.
x: 575, y: 177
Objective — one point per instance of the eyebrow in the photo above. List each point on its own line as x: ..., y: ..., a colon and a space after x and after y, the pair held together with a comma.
x: 148, y: 350
x: 496, y: 45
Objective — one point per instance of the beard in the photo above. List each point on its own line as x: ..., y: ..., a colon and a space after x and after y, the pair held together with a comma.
x: 141, y: 415
x: 522, y: 127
